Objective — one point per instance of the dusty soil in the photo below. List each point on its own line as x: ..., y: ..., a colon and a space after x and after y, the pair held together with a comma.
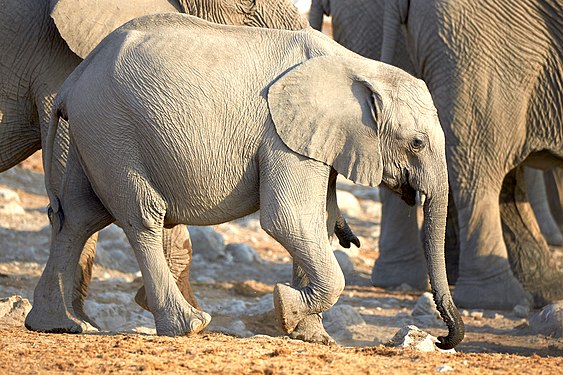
x: 493, y: 342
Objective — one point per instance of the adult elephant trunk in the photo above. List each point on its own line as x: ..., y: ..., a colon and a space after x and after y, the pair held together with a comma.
x: 316, y: 14
x: 435, y: 210
x: 396, y: 13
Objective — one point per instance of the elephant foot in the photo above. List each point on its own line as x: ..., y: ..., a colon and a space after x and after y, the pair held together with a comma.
x: 392, y: 274
x: 501, y: 292
x: 289, y: 307
x: 187, y: 320
x: 310, y: 329
x: 40, y: 320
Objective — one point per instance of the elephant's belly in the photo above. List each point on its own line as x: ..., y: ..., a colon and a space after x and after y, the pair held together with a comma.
x: 213, y: 198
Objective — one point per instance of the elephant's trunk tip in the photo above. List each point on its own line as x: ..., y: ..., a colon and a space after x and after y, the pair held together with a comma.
x: 456, y: 327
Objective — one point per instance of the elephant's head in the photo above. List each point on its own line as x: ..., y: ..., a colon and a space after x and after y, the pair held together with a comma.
x: 373, y: 123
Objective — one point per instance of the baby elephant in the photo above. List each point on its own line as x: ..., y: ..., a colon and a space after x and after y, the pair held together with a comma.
x: 177, y: 120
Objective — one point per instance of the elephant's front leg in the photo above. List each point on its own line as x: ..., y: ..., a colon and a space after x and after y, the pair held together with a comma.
x: 485, y: 279
x: 401, y: 258
x: 311, y: 327
x: 292, y: 210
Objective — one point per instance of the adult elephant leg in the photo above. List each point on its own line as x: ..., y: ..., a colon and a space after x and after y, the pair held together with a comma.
x: 537, y: 195
x: 177, y: 248
x: 485, y: 279
x: 452, y: 241
x: 82, y: 279
x: 554, y: 188
x: 530, y: 258
x: 401, y: 257
x: 18, y: 137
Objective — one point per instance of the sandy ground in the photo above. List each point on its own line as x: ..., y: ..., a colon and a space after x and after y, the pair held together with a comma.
x: 242, y: 336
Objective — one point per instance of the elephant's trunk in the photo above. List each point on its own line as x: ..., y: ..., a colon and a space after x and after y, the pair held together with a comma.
x: 316, y: 14
x: 395, y: 15
x: 435, y: 211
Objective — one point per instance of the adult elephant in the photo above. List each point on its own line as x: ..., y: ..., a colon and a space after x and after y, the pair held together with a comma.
x: 358, y: 25
x: 494, y: 70
x: 43, y: 41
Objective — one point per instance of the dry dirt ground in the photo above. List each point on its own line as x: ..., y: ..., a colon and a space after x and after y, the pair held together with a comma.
x: 493, y: 342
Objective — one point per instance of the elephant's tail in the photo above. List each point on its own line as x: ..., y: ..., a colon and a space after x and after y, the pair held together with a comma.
x: 57, y: 112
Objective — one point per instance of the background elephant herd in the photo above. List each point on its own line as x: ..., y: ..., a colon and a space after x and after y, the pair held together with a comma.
x: 494, y: 73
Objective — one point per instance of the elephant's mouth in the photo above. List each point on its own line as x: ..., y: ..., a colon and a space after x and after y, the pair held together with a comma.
x: 408, y: 193
x: 405, y: 190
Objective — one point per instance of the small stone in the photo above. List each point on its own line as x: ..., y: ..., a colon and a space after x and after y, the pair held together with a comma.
x: 425, y: 306
x: 342, y: 316
x: 348, y: 203
x: 345, y: 263
x: 14, y: 309
x: 11, y: 208
x: 492, y: 315
x: 521, y: 311
x: 464, y: 362
x: 476, y: 315
x: 464, y: 313
x: 412, y: 336
x: 8, y: 195
x: 548, y: 321
x: 242, y: 253
x: 444, y: 368
x: 208, y: 243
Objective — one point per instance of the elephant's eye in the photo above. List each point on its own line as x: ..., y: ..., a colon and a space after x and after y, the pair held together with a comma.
x: 417, y: 144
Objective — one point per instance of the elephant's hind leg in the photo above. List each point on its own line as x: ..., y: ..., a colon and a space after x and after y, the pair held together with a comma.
x: 530, y: 258
x: 144, y: 214
x: 178, y: 252
x: 78, y: 216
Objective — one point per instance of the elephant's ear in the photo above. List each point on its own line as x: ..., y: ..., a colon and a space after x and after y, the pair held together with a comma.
x: 84, y: 23
x: 323, y: 109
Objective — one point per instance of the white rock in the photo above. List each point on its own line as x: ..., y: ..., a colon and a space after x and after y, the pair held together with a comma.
x: 14, y: 309
x: 263, y: 305
x: 236, y: 328
x: 341, y: 316
x: 11, y: 208
x: 242, y: 253
x: 348, y: 203
x: 548, y: 321
x: 8, y: 195
x: 521, y: 311
x: 345, y: 263
x: 444, y: 368
x: 208, y: 243
x: 425, y: 306
x: 412, y: 336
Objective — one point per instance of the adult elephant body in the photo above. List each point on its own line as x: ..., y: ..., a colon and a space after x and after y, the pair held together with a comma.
x: 215, y: 162
x: 494, y: 70
x: 35, y: 60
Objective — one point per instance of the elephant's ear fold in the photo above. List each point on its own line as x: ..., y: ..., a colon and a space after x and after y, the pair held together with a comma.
x: 323, y: 109
x: 84, y: 23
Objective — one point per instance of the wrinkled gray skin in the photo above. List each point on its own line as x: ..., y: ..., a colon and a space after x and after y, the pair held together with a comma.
x: 358, y: 25
x: 35, y: 60
x: 496, y: 81
x: 143, y: 88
